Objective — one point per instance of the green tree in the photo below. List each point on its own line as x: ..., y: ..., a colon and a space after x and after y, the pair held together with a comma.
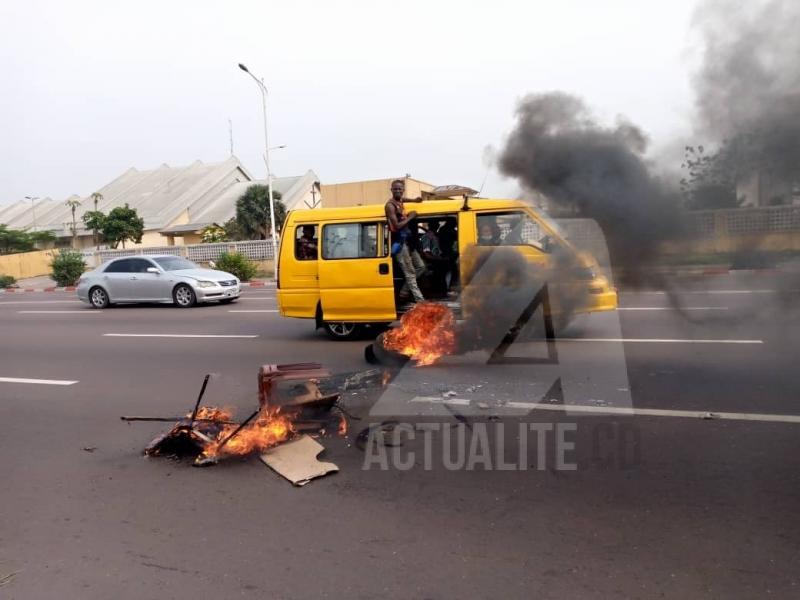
x: 252, y: 212
x: 97, y: 226
x: 94, y: 220
x: 73, y: 204
x: 233, y: 232
x: 42, y: 238
x: 14, y: 240
x: 123, y: 224
x: 710, y: 180
x: 18, y: 240
x: 213, y: 234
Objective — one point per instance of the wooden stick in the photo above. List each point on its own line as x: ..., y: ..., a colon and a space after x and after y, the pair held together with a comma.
x: 237, y: 430
x: 176, y: 419
x: 199, y: 398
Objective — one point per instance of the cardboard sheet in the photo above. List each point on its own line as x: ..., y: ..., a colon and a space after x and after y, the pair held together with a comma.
x: 297, y: 460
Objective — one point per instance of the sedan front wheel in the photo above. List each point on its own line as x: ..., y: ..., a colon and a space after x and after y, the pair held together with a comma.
x: 98, y: 298
x: 184, y: 296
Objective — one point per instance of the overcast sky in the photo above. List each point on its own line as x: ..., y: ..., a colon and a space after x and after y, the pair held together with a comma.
x: 358, y: 90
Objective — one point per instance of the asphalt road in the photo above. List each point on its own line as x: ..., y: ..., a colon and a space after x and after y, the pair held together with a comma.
x: 662, y: 504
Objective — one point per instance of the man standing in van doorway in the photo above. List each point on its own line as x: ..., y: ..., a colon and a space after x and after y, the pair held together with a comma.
x: 404, y: 246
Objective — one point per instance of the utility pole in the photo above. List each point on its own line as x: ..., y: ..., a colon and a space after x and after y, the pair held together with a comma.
x: 263, y: 88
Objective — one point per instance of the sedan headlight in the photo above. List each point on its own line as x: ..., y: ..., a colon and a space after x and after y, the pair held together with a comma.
x: 206, y: 284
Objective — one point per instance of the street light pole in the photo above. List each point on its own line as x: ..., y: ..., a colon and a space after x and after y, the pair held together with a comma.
x: 263, y: 88
x: 33, y: 208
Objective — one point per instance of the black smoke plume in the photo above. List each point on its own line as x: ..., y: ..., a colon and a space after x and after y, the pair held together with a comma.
x: 748, y: 85
x: 559, y: 149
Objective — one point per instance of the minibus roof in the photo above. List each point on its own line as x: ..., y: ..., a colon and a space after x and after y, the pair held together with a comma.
x: 428, y: 207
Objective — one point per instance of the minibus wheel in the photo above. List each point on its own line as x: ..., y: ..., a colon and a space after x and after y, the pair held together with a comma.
x: 342, y: 330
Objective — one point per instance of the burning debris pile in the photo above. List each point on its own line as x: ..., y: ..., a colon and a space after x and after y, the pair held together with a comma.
x: 426, y: 333
x: 290, y: 403
x: 504, y: 299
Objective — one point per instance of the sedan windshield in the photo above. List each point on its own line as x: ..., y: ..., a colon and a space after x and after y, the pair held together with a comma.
x: 175, y: 263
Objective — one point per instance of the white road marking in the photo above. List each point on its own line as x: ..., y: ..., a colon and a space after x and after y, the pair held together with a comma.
x: 4, y: 302
x: 708, y: 292
x: 658, y: 341
x: 58, y: 312
x: 37, y: 381
x: 177, y: 335
x: 254, y: 311
x: 645, y: 412
x: 258, y: 298
x: 672, y: 308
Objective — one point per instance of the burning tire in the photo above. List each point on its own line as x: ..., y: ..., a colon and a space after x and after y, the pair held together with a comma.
x: 342, y: 330
x: 377, y: 354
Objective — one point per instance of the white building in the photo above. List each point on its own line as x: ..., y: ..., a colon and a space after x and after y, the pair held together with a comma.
x: 176, y: 202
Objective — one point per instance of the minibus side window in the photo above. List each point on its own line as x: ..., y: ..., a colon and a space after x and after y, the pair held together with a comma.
x: 350, y: 240
x: 305, y: 242
x: 514, y: 228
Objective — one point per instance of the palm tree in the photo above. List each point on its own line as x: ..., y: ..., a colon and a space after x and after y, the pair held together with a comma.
x: 96, y: 196
x: 252, y: 212
x: 73, y: 204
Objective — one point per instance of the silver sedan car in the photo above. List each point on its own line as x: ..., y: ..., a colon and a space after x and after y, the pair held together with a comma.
x: 163, y: 278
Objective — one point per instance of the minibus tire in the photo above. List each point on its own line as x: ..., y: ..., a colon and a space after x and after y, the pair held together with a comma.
x: 342, y: 330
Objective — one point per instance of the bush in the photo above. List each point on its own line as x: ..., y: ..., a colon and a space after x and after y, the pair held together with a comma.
x: 238, y: 264
x: 6, y: 281
x: 67, y: 267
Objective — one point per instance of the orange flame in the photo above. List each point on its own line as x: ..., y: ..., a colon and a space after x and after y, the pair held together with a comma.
x: 342, y: 426
x: 213, y: 413
x: 426, y: 333
x: 267, y: 429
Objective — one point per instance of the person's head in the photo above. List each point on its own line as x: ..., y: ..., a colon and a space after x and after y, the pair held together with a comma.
x: 486, y: 233
x: 398, y: 189
x: 308, y: 231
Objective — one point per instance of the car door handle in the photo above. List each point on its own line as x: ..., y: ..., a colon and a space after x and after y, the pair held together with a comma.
x: 134, y: 278
x: 383, y: 269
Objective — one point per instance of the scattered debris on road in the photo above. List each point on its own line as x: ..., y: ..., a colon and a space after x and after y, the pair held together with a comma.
x: 89, y: 448
x: 291, y: 404
x: 297, y: 460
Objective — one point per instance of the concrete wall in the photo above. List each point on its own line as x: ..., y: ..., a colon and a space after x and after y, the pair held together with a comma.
x: 26, y: 264
x: 359, y: 193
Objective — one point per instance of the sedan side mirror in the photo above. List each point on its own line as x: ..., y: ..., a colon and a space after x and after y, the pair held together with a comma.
x: 153, y: 270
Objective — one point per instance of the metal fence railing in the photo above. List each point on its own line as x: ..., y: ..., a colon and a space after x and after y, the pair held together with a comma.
x: 762, y: 220
x: 253, y: 249
x: 711, y: 223
x: 584, y: 232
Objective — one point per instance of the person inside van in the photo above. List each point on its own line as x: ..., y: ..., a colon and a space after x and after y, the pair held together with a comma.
x: 448, y: 242
x: 306, y: 248
x: 433, y: 255
x: 488, y: 232
x: 404, y: 242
